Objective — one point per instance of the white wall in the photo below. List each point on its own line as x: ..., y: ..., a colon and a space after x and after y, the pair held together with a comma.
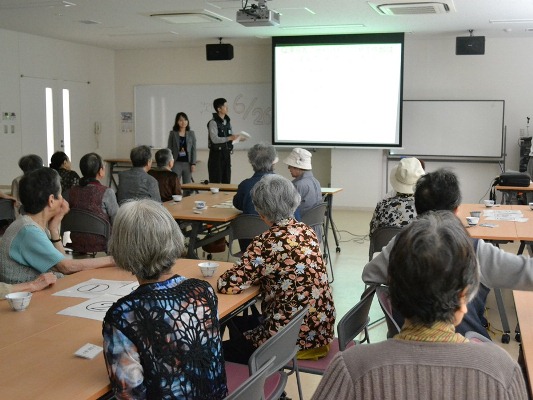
x: 432, y: 71
x: 44, y: 58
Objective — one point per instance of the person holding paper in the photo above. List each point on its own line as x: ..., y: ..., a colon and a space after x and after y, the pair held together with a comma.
x: 220, y: 141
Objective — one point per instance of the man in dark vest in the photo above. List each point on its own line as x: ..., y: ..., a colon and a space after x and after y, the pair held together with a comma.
x: 220, y: 143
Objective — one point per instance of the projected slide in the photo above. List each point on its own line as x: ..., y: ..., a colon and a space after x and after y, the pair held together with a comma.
x: 344, y: 94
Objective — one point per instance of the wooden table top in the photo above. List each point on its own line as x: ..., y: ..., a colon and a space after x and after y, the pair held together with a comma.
x: 184, y: 210
x: 506, y: 230
x: 37, y: 346
x: 232, y: 187
x: 524, y: 312
x: 515, y: 188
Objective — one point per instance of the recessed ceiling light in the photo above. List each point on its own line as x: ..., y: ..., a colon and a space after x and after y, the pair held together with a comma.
x: 188, y: 18
x: 89, y: 22
x: 324, y: 26
x: 510, y: 21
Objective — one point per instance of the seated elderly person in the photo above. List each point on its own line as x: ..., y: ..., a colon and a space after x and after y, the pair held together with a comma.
x: 432, y: 274
x: 168, y: 180
x: 32, y: 244
x: 61, y: 163
x: 287, y: 264
x: 91, y: 196
x: 136, y: 183
x: 262, y: 157
x: 399, y: 210
x: 161, y: 341
x: 27, y: 164
x: 299, y: 164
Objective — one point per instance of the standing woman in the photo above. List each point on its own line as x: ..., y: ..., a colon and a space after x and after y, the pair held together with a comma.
x: 61, y: 163
x: 182, y: 143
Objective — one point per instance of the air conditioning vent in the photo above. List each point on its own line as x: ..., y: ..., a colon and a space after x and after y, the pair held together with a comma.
x: 394, y: 7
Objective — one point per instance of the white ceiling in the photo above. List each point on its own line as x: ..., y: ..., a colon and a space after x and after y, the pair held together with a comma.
x: 126, y: 24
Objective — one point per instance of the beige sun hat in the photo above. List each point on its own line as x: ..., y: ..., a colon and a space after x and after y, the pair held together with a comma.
x: 299, y: 158
x: 405, y: 175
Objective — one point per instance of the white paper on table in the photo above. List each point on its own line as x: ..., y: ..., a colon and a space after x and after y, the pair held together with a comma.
x: 97, y: 287
x: 94, y: 308
x: 226, y: 204
x: 503, y: 215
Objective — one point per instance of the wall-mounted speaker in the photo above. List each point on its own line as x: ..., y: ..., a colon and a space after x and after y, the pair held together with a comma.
x: 469, y: 45
x: 218, y: 52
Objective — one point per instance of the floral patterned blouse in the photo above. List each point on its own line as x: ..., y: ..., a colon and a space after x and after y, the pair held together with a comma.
x: 398, y: 211
x: 287, y: 263
x: 69, y: 178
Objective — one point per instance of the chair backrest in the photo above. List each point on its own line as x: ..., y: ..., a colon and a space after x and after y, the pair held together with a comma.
x: 315, y: 215
x: 356, y: 320
x: 382, y: 293
x: 7, y: 209
x: 380, y: 238
x: 283, y: 345
x: 245, y: 226
x: 253, y: 387
x: 81, y: 221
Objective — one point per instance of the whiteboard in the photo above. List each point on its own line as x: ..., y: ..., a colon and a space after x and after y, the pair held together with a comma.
x: 452, y: 128
x: 156, y: 106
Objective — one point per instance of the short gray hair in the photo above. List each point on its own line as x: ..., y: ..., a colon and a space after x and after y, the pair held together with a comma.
x: 140, y: 156
x: 275, y: 197
x: 146, y: 240
x: 262, y: 157
x: 163, y: 157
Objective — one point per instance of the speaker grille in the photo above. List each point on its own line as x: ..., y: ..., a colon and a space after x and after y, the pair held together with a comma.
x: 219, y: 52
x: 470, y: 45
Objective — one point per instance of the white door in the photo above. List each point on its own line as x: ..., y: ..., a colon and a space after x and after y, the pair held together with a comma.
x: 54, y: 117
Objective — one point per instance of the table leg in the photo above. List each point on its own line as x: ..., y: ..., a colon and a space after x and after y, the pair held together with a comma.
x: 191, y: 249
x: 329, y: 220
x: 112, y: 181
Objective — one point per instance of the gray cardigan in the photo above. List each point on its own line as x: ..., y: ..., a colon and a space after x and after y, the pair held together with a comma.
x: 407, y: 370
x: 190, y: 142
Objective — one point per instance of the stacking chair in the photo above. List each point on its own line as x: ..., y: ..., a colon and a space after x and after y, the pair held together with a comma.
x: 316, y: 216
x: 245, y: 226
x: 354, y: 322
x: 393, y: 327
x: 253, y: 388
x: 380, y: 238
x: 81, y: 221
x: 283, y: 345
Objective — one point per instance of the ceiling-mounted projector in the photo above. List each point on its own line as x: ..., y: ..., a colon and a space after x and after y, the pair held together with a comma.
x: 258, y: 15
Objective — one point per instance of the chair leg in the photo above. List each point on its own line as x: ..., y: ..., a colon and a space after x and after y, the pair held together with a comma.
x: 327, y: 255
x: 296, y: 371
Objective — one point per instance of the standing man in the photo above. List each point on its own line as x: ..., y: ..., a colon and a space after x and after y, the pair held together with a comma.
x: 220, y: 143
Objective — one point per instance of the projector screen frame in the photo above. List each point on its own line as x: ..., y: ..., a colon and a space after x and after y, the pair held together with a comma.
x: 325, y: 40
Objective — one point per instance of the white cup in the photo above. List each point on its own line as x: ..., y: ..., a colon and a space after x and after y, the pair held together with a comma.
x: 488, y: 203
x: 214, y: 190
x: 19, y: 300
x: 199, y: 204
x: 472, y: 221
x: 177, y: 197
